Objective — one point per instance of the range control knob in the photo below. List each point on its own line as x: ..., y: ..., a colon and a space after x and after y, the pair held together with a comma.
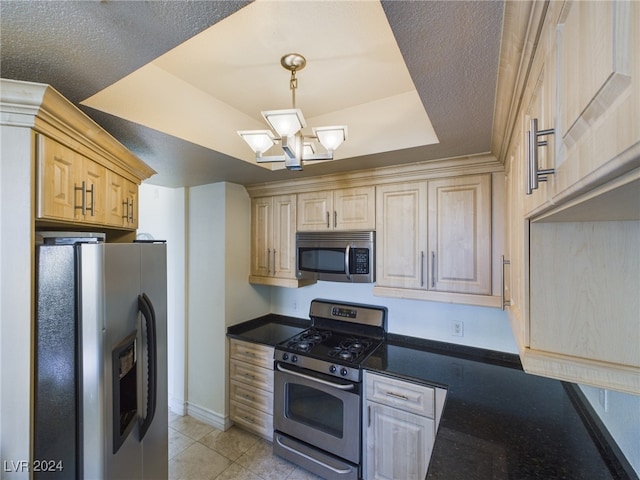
x: 333, y: 369
x: 285, y: 356
x: 294, y: 358
x: 343, y: 372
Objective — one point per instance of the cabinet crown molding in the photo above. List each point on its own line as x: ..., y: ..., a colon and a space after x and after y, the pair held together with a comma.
x: 42, y: 108
x: 446, y: 167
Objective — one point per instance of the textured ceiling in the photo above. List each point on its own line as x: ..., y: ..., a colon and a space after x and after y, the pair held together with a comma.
x: 451, y: 50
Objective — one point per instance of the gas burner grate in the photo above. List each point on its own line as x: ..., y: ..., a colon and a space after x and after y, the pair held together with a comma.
x: 308, y: 339
x: 350, y: 349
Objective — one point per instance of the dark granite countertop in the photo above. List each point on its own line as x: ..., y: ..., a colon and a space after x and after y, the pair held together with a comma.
x: 269, y: 329
x: 498, y: 422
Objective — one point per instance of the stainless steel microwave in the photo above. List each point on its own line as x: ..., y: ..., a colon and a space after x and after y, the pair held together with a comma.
x: 337, y: 256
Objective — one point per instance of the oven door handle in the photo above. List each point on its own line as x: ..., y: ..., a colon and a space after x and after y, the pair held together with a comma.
x: 314, y: 460
x: 313, y: 379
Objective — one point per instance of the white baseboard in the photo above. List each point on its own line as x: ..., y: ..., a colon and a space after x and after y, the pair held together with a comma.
x: 221, y: 422
x: 177, y: 406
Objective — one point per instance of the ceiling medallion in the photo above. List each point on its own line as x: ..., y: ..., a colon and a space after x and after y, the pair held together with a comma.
x: 288, y: 124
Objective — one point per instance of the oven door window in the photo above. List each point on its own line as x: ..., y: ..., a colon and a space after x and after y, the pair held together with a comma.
x: 321, y: 260
x: 315, y: 408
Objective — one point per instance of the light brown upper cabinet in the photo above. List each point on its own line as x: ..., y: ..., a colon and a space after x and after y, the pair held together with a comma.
x: 434, y: 237
x: 459, y: 234
x: 273, y: 237
x: 344, y: 209
x: 122, y: 202
x: 82, y: 175
x: 573, y: 242
x: 70, y: 186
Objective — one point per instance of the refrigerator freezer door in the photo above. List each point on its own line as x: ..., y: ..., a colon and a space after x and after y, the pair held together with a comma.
x: 119, y: 270
x: 134, y: 271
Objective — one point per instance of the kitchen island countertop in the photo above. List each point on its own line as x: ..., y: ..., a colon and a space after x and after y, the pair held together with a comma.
x: 498, y: 422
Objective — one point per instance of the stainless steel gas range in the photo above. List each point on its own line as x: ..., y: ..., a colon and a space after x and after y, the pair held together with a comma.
x: 318, y: 384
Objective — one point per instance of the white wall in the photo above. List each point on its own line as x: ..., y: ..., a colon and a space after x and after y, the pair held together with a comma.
x: 16, y: 301
x: 219, y: 235
x: 208, y: 231
x: 621, y: 415
x: 482, y: 326
x: 206, y: 295
x: 243, y: 300
x: 162, y: 216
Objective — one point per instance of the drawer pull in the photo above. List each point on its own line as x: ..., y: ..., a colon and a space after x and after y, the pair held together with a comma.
x: 249, y: 397
x: 398, y: 396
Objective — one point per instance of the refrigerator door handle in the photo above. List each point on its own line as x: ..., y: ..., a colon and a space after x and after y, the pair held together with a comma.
x: 146, y: 308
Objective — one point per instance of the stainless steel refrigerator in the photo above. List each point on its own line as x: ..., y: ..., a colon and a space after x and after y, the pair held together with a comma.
x: 100, y: 393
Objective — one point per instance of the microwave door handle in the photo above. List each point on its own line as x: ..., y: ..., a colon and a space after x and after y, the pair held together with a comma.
x: 347, y: 268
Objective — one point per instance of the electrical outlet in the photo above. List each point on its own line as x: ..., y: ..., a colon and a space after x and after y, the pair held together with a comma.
x: 458, y: 328
x: 295, y: 306
x: 603, y: 397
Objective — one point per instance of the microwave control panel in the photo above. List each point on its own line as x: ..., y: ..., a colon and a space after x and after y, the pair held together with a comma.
x: 360, y: 261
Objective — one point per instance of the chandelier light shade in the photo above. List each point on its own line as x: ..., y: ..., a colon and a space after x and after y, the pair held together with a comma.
x: 331, y: 137
x: 285, y: 122
x: 288, y: 125
x: 259, y: 140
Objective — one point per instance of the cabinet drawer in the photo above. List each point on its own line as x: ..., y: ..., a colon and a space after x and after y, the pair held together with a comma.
x: 254, y: 353
x: 253, y: 397
x: 252, y: 419
x: 407, y: 396
x: 251, y: 375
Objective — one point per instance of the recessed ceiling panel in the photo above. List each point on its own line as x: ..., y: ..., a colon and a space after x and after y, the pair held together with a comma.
x: 219, y: 81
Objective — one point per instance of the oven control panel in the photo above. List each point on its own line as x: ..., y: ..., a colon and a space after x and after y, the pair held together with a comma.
x: 344, y: 312
x: 316, y: 365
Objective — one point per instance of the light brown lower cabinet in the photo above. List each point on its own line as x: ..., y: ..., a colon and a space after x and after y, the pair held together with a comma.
x: 251, y: 386
x: 400, y: 421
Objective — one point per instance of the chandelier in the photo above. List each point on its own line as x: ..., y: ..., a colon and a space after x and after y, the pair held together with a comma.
x: 287, y: 124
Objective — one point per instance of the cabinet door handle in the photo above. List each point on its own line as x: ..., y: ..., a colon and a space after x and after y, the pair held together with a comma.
x: 328, y: 217
x: 268, y: 260
x: 533, y: 174
x: 433, y: 269
x: 335, y: 219
x: 504, y: 302
x: 125, y: 210
x: 83, y: 195
x: 422, y: 268
x: 274, y: 261
x: 92, y: 207
x: 131, y: 218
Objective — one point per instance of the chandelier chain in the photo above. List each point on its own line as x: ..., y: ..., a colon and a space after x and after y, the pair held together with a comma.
x: 293, y: 84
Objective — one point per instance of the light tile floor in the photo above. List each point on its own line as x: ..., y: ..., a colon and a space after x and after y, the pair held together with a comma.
x: 198, y: 451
